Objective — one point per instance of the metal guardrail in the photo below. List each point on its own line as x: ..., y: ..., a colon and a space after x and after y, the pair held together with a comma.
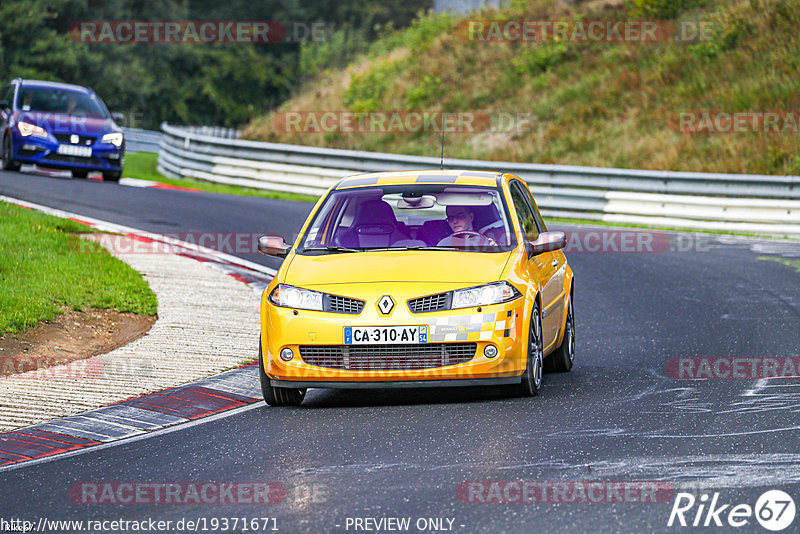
x: 728, y: 202
x: 464, y: 6
x: 138, y: 140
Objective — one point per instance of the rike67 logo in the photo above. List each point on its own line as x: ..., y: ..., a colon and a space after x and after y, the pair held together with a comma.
x: 774, y: 510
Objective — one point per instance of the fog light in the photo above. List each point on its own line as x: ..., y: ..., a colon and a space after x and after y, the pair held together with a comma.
x: 113, y: 155
x: 287, y: 354
x: 490, y: 351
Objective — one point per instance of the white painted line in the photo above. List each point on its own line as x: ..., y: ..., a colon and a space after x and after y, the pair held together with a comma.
x: 137, y: 182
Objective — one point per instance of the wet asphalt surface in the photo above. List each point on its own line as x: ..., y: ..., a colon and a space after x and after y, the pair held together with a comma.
x: 617, y: 416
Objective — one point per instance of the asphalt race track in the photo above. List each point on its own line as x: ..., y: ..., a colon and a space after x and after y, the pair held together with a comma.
x: 618, y: 416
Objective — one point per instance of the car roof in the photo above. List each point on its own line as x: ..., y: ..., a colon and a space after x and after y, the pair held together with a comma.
x: 54, y: 85
x: 447, y: 176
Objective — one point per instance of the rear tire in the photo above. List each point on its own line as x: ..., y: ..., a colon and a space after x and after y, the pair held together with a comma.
x: 532, y: 377
x: 277, y: 396
x: 8, y: 164
x: 561, y: 359
x: 112, y: 176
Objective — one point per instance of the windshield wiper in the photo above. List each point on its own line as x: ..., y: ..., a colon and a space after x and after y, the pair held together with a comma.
x: 331, y: 248
x: 415, y: 247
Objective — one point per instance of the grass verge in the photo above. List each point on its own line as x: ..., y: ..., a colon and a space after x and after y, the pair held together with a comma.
x: 144, y: 165
x: 578, y: 101
x: 41, y: 269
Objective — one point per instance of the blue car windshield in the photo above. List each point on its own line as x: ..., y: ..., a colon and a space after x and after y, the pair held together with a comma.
x: 420, y: 217
x: 61, y: 101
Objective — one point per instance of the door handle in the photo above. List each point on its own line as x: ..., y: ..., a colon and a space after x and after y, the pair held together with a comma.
x: 555, y: 263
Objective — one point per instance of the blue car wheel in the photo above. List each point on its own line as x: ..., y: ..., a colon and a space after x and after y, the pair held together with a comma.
x: 8, y: 163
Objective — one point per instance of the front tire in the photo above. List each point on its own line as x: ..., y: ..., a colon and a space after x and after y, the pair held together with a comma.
x: 112, y: 176
x: 79, y: 173
x: 532, y: 377
x: 277, y: 396
x: 8, y: 164
x: 561, y: 360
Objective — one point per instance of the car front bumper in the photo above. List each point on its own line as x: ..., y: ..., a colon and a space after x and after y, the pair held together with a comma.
x: 398, y: 384
x: 499, y: 325
x: 44, y: 153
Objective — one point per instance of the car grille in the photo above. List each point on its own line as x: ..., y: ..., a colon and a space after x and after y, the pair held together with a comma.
x: 387, y: 357
x: 61, y: 158
x: 337, y: 304
x: 430, y: 303
x: 82, y: 139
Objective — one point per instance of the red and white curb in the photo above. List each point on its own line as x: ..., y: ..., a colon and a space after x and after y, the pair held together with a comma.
x: 132, y: 417
x: 153, y: 411
x: 136, y: 182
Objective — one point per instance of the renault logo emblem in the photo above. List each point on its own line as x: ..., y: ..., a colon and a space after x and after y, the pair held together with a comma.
x: 74, y: 139
x: 385, y: 304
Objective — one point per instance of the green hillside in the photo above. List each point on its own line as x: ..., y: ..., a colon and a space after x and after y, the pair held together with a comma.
x: 611, y: 104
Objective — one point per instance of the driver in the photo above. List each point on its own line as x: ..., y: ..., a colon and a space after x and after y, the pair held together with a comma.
x: 460, y: 219
x: 72, y: 103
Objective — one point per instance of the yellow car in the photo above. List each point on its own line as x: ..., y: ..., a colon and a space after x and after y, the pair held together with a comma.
x: 417, y: 279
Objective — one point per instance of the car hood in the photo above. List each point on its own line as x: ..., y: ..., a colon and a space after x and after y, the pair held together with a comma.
x: 396, y: 266
x: 58, y: 123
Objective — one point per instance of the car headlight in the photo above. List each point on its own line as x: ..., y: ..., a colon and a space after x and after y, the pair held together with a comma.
x: 493, y: 293
x: 26, y: 129
x: 294, y: 297
x: 113, y: 138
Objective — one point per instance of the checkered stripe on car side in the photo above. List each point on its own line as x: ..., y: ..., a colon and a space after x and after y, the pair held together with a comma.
x: 474, y: 327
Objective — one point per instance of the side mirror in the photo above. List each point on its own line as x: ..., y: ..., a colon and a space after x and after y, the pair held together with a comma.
x: 4, y: 104
x: 546, y: 242
x: 273, y: 245
x: 118, y: 117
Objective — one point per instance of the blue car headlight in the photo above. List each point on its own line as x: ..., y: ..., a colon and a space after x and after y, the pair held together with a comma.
x: 294, y: 297
x: 114, y: 138
x: 27, y: 129
x: 484, y: 295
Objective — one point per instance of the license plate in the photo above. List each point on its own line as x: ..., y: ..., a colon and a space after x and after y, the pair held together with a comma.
x: 376, y: 335
x: 75, y: 150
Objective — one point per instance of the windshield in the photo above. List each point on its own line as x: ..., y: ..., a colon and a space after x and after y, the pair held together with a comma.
x: 427, y: 217
x: 62, y: 101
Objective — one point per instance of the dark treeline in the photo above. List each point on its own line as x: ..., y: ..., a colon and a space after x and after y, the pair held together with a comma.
x: 186, y: 83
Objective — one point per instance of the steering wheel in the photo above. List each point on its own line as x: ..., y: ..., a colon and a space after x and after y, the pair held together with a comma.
x: 466, y: 235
